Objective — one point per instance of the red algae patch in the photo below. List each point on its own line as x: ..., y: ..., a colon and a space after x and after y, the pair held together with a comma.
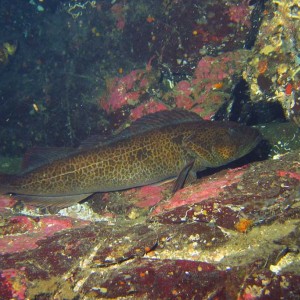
x: 149, y: 195
x: 294, y: 175
x: 21, y: 233
x: 149, y: 107
x: 12, y: 284
x: 239, y: 218
x: 200, y: 192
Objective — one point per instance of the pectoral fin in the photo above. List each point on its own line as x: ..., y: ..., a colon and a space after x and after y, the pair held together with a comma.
x: 184, y: 176
x: 195, y: 149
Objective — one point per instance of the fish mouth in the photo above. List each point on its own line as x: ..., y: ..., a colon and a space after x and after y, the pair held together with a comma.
x: 253, y: 139
x: 258, y: 137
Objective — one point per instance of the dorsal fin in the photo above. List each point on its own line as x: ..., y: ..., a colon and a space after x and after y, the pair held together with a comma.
x: 144, y: 124
x: 158, y: 120
x: 95, y: 140
x: 39, y: 156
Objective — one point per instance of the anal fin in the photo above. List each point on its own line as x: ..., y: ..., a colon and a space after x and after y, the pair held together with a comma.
x: 55, y: 202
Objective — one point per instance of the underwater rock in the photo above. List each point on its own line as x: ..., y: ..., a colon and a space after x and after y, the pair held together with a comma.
x: 273, y: 70
x: 231, y: 234
x: 203, y: 92
x: 231, y: 221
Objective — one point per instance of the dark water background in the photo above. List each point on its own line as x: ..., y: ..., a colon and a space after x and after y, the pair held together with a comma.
x: 67, y: 51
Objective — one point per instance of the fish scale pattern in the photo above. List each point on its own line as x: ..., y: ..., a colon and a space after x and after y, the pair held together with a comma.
x: 136, y: 157
x: 141, y: 159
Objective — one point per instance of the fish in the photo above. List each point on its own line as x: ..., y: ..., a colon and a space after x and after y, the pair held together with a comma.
x: 165, y: 145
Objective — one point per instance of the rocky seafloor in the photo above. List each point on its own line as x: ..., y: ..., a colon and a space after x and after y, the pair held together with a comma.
x: 234, y: 233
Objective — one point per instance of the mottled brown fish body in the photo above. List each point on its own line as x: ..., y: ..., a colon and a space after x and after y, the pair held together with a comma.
x: 139, y: 160
x: 143, y: 158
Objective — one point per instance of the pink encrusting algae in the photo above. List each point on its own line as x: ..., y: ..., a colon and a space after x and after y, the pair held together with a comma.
x: 149, y: 195
x: 183, y: 91
x: 210, y: 85
x: 149, y: 107
x: 200, y: 192
x: 289, y: 174
x: 22, y: 232
x: 240, y: 13
x: 210, y: 71
x: 123, y: 91
x: 13, y: 284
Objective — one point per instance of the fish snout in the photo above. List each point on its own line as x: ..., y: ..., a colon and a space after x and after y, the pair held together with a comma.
x: 247, y: 139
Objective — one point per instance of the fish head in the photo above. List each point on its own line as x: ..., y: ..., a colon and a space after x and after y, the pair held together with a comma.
x: 233, y: 141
